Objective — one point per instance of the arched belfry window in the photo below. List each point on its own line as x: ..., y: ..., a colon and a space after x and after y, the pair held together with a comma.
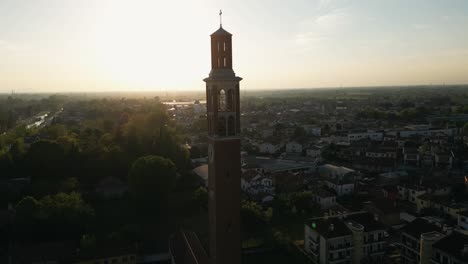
x: 231, y: 126
x: 221, y: 126
x: 222, y: 100
x: 230, y: 100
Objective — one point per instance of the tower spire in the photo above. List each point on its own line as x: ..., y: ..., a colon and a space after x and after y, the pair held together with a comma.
x: 220, y: 18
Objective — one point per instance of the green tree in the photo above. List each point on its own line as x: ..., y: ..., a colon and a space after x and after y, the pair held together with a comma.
x: 300, y: 132
x: 68, y: 185
x: 465, y: 129
x: 45, y: 162
x: 254, y: 219
x: 27, y: 214
x: 200, y: 196
x: 88, y: 241
x: 27, y: 208
x: 302, y: 201
x: 60, y: 216
x: 151, y: 179
x: 18, y: 149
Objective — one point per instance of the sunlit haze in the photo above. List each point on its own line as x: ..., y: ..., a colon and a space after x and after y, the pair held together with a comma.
x: 91, y: 45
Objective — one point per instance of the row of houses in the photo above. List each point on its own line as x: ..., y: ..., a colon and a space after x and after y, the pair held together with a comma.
x: 407, y: 132
x: 290, y: 147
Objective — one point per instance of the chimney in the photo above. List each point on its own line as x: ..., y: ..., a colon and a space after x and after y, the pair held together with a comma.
x: 449, y: 230
x: 332, y: 227
x: 340, y: 216
x: 465, y: 250
x: 444, y: 228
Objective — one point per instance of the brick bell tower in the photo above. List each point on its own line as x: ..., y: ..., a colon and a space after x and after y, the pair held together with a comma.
x: 222, y: 99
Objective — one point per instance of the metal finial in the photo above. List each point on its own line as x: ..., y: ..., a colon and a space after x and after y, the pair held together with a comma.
x: 220, y: 18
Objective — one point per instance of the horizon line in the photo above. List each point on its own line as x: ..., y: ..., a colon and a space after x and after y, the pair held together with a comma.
x: 13, y: 91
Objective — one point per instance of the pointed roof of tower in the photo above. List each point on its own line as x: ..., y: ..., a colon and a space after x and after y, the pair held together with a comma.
x: 221, y: 32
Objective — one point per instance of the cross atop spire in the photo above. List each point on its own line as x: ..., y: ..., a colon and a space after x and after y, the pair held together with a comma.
x: 220, y: 18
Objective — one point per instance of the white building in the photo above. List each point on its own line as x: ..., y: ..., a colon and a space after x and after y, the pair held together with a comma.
x: 269, y: 148
x: 410, y: 193
x: 463, y: 220
x: 325, y: 199
x: 314, y: 152
x: 332, y: 171
x: 327, y: 240
x: 267, y: 132
x: 293, y: 147
x: 452, y: 249
x: 341, y: 187
x: 254, y: 182
x: 349, y: 238
x: 427, y: 132
x: 313, y: 130
x: 441, y: 203
x: 376, y: 136
x: 199, y: 109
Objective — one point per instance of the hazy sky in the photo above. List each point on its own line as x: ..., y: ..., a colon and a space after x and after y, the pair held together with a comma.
x: 94, y: 45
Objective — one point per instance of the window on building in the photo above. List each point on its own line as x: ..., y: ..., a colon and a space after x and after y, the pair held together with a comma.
x: 444, y: 260
x: 222, y: 100
x: 225, y: 62
x: 224, y: 46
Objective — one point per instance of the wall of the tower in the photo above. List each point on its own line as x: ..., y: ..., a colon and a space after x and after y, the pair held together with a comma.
x: 221, y: 52
x: 224, y: 201
x: 224, y: 168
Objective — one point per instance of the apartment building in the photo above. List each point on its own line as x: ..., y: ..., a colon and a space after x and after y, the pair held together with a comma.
x: 349, y: 238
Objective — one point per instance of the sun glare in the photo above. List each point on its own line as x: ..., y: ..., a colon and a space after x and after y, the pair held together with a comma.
x: 135, y: 47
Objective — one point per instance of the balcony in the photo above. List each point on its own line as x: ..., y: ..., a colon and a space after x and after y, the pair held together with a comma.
x: 372, y: 240
x: 340, y: 247
x: 376, y: 252
x: 313, y: 252
x: 314, y: 241
x: 340, y: 260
